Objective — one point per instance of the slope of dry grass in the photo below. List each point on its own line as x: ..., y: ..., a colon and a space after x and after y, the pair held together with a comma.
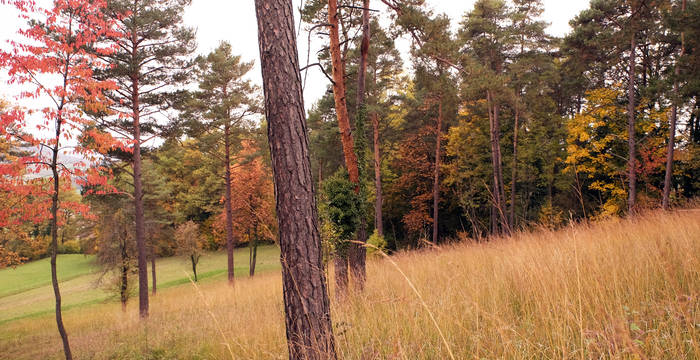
x: 616, y: 289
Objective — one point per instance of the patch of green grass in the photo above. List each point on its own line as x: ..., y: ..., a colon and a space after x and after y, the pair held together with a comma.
x: 38, y: 273
x: 26, y: 290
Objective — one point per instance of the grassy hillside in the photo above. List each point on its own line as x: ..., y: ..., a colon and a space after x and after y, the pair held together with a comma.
x: 26, y: 290
x: 618, y: 289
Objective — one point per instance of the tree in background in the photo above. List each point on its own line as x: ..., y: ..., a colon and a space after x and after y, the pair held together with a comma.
x: 189, y: 243
x: 55, y: 47
x: 306, y: 304
x: 218, y: 112
x: 151, y: 58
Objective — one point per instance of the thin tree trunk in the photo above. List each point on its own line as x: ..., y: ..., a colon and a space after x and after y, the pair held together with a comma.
x: 153, y: 272
x: 308, y: 323
x: 227, y: 200
x: 436, y: 181
x: 379, y: 222
x: 343, y: 118
x: 630, y: 129
x: 138, y: 192
x: 495, y: 134
x: 253, y: 251
x: 54, y: 235
x: 672, y: 126
x: 194, y: 267
x: 514, y: 176
x: 123, y: 291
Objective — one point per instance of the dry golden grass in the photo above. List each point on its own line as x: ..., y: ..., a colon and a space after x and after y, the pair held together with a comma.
x: 617, y: 289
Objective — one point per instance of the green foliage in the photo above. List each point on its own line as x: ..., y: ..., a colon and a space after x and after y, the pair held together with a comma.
x: 70, y: 247
x: 377, y: 243
x: 341, y: 209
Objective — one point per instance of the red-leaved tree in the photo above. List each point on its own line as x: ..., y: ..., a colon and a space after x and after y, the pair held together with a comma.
x: 53, y: 68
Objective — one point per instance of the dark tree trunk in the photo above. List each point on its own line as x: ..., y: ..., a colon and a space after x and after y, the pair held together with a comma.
x: 54, y: 233
x: 253, y: 251
x: 194, y: 266
x: 124, y: 286
x: 229, y: 211
x: 514, y: 170
x: 138, y: 188
x: 630, y: 129
x: 379, y: 222
x: 436, y: 181
x: 340, y: 265
x: 307, y: 310
x: 672, y: 127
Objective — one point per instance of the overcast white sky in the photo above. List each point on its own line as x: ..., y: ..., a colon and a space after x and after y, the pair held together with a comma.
x: 234, y: 21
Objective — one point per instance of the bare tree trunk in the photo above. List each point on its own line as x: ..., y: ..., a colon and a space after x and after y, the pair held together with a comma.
x: 307, y: 309
x: 672, y: 127
x: 514, y: 176
x: 227, y: 200
x: 54, y: 233
x: 379, y: 222
x: 138, y: 192
x: 253, y: 251
x: 436, y: 181
x: 630, y: 128
x: 343, y: 117
x: 194, y: 267
x: 123, y: 290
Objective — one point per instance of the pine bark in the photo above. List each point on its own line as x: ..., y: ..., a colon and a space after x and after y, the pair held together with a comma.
x: 672, y: 127
x: 436, y: 174
x: 307, y: 310
x: 630, y: 128
x: 227, y: 205
x: 138, y: 197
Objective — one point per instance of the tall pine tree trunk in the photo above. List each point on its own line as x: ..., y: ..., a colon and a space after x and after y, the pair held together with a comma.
x: 358, y: 252
x: 227, y: 200
x: 630, y: 128
x: 307, y: 310
x: 672, y: 127
x: 54, y: 231
x: 436, y: 174
x: 341, y: 110
x: 138, y: 200
x: 379, y: 222
x: 514, y: 170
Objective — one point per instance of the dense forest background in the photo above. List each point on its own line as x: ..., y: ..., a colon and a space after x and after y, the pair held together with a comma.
x: 488, y: 129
